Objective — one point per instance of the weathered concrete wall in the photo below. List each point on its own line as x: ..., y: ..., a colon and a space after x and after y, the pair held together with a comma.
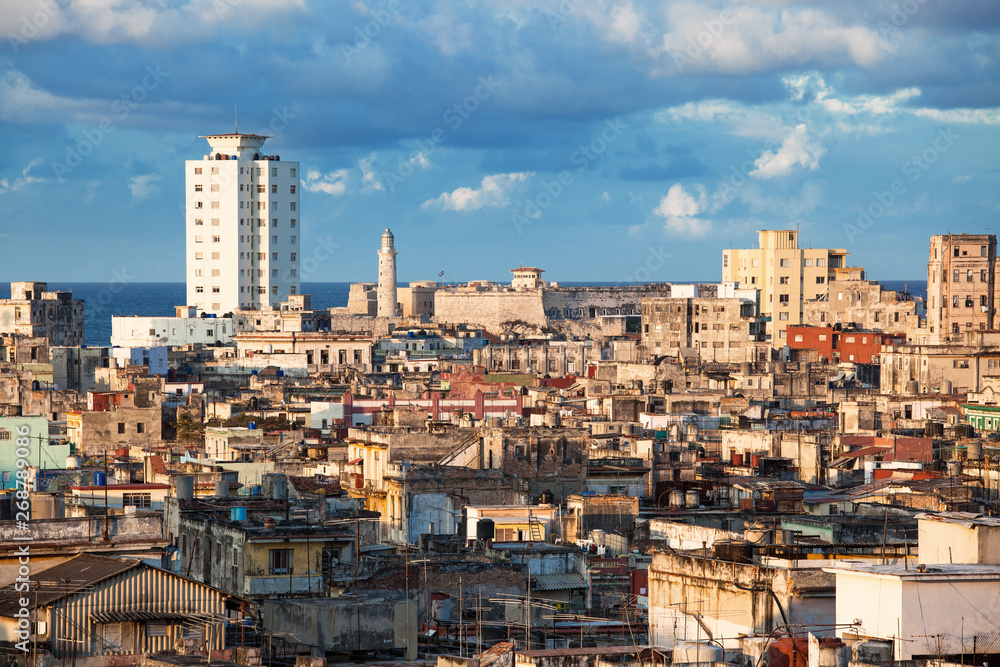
x: 84, y: 530
x: 687, y: 536
x: 332, y: 625
x: 691, y: 596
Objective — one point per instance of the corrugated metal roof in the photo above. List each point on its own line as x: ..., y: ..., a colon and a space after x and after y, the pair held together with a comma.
x: 139, y: 616
x: 72, y: 575
x: 557, y: 582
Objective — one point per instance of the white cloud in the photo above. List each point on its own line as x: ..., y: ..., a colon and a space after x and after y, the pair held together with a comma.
x: 962, y: 116
x: 493, y: 191
x: 370, y: 180
x: 798, y: 149
x: 143, y: 186
x: 332, y: 183
x: 24, y: 179
x: 680, y: 209
x: 137, y: 21
x: 962, y: 179
x: 755, y: 37
x: 418, y: 160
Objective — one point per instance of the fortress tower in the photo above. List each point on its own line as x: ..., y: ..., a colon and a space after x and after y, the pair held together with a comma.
x: 387, y: 276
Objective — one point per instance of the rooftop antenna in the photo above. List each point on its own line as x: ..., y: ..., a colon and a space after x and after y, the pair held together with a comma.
x: 236, y: 118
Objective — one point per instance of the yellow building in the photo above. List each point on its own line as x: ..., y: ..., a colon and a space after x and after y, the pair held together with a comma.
x: 786, y: 275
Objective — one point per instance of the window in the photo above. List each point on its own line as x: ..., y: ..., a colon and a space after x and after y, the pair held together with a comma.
x: 786, y: 262
x: 798, y: 338
x: 198, y: 204
x: 783, y: 315
x: 274, y: 171
x: 293, y: 239
x: 261, y: 189
x: 983, y: 251
x: 197, y: 187
x: 274, y: 222
x: 197, y: 170
x: 274, y: 255
x: 820, y: 280
x: 121, y: 427
x: 782, y: 298
x: 216, y: 255
x: 215, y: 187
x: 156, y: 628
x: 215, y: 290
x: 293, y: 223
x: 821, y: 262
x: 274, y: 239
x: 215, y: 204
x: 274, y: 273
x: 215, y: 170
x: 292, y: 205
x: 968, y: 276
x: 274, y: 289
x: 199, y: 221
x: 293, y: 272
x: 983, y: 276
x: 215, y: 222
x: 807, y: 262
x: 199, y: 255
x: 216, y: 239
x: 274, y: 188
x: 954, y: 301
x: 982, y: 301
x: 783, y: 280
x: 955, y: 277
x: 291, y: 172
x: 291, y: 189
x: 822, y: 336
x: 293, y: 256
x: 198, y: 272
x: 199, y: 289
x: 136, y: 500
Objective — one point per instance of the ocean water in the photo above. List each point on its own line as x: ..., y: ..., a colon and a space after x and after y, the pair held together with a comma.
x: 102, y: 301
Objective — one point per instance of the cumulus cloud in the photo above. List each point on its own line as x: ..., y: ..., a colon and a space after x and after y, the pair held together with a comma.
x: 799, y: 149
x: 332, y: 183
x: 143, y: 186
x: 493, y: 191
x: 680, y: 209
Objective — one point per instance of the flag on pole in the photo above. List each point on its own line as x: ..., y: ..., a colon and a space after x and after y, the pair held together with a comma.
x: 440, y: 274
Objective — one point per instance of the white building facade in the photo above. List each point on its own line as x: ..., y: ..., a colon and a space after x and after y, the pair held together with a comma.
x: 242, y: 226
x: 170, y: 331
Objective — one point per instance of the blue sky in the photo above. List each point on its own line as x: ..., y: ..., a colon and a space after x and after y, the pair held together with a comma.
x: 597, y: 139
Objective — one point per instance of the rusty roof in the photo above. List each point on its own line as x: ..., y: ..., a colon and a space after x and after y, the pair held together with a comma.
x: 68, y: 577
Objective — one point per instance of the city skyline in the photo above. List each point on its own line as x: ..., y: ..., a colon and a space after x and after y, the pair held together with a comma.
x: 611, y: 142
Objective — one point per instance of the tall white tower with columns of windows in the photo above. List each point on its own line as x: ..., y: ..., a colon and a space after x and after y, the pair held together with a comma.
x: 242, y: 226
x: 387, y: 276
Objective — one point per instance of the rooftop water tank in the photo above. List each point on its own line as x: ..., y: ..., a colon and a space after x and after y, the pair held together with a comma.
x: 221, y: 488
x: 184, y: 487
x: 238, y: 513
x: 687, y: 652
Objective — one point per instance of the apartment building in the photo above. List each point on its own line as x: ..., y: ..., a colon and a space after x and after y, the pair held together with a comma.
x: 242, y: 226
x: 961, y: 293
x: 720, y: 329
x: 786, y: 275
x: 33, y: 311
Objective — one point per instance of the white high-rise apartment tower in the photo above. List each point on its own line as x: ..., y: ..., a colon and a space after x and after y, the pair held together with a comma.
x: 242, y: 226
x: 387, y: 276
